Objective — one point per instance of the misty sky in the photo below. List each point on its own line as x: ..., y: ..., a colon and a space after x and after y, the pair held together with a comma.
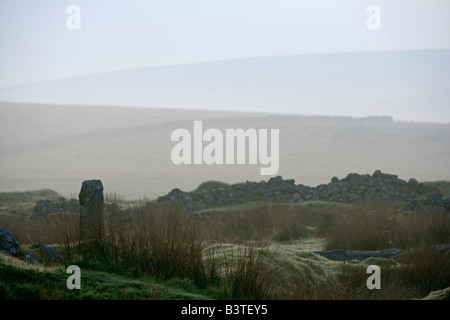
x: 36, y: 45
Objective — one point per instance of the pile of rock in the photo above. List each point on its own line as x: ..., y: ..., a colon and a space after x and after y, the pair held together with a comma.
x: 177, y: 197
x: 10, y: 245
x: 274, y: 189
x: 379, y: 187
x: 46, y: 207
x: 376, y: 187
x: 353, y: 188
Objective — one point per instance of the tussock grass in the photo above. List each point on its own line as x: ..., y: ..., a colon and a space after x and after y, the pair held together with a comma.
x: 240, y: 271
x: 378, y: 227
x: 162, y: 243
x: 426, y: 269
x: 260, y: 222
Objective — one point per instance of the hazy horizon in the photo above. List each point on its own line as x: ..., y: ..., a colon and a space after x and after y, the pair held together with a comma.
x: 129, y: 149
x: 406, y: 85
x: 230, y: 63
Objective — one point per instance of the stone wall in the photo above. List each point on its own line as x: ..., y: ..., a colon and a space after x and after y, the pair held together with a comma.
x: 351, y: 189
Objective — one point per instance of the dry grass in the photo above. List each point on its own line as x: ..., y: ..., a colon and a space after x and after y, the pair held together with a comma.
x: 230, y: 252
x: 263, y: 222
x: 378, y: 228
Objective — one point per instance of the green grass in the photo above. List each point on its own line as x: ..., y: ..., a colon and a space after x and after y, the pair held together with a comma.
x: 22, y: 203
x: 251, y: 250
x: 23, y: 281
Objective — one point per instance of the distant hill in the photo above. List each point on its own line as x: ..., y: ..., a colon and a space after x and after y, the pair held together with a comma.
x: 407, y: 85
x: 57, y: 147
x: 22, y: 203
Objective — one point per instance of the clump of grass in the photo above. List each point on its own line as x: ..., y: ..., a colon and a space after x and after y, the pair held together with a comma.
x: 420, y: 271
x: 362, y: 231
x: 157, y: 242
x: 427, y: 269
x: 240, y: 271
x: 262, y: 222
x: 377, y: 228
x: 351, y: 284
x: 422, y: 228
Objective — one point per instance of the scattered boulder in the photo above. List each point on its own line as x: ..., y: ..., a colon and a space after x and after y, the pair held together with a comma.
x: 48, y: 254
x: 177, y: 197
x: 9, y: 244
x: 344, y: 255
x: 41, y: 255
x: 32, y: 258
x: 45, y: 207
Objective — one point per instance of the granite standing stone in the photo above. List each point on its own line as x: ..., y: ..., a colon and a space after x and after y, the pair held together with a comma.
x: 91, y: 210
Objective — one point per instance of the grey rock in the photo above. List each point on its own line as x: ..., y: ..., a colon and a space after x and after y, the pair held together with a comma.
x: 343, y: 255
x: 351, y: 189
x: 441, y: 247
x: 392, y: 253
x: 32, y: 258
x: 9, y: 244
x: 376, y: 174
x: 447, y: 203
x: 49, y: 254
x: 210, y: 199
x: 45, y: 207
x: 337, y: 254
x: 91, y: 194
x: 91, y: 210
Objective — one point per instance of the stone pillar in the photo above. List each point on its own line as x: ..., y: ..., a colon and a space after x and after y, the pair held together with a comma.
x: 91, y: 210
